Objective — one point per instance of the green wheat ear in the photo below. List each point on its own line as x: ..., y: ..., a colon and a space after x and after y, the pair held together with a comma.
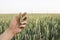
x: 21, y: 18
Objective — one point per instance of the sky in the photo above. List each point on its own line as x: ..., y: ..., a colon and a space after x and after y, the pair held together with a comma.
x: 30, y: 6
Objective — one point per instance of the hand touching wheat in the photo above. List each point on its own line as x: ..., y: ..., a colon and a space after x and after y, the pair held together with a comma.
x: 15, y: 27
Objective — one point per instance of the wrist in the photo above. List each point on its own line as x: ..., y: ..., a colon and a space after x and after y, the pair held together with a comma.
x: 7, y: 35
x: 11, y: 31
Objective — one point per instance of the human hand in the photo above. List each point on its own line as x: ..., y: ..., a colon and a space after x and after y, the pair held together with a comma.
x: 16, y: 26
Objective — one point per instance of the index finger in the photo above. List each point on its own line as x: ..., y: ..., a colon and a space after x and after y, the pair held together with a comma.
x: 24, y: 16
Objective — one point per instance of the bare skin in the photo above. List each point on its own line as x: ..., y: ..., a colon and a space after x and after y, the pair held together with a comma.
x: 14, y: 28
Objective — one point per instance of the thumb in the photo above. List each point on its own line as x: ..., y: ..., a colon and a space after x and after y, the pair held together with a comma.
x: 18, y: 16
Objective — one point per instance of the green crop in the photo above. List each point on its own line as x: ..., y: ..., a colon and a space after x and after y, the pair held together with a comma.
x: 21, y: 18
x: 39, y: 26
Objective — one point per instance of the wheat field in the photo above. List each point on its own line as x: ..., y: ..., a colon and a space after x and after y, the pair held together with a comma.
x: 39, y: 27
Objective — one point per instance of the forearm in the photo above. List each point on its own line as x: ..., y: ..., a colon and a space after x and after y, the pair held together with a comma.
x: 7, y: 35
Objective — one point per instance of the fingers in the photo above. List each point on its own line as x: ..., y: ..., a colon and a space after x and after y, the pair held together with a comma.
x: 22, y: 25
x: 18, y: 17
x: 24, y: 16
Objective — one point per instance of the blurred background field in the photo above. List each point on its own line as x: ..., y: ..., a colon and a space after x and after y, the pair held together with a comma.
x: 39, y: 26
